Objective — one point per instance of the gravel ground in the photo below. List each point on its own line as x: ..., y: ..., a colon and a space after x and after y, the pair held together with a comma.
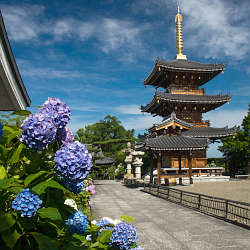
x: 238, y: 190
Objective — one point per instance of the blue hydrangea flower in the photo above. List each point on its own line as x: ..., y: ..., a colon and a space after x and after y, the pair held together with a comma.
x: 64, y: 135
x: 77, y: 222
x: 73, y: 162
x: 137, y: 248
x: 57, y: 110
x: 102, y: 223
x: 1, y: 130
x: 38, y: 131
x: 26, y: 203
x: 75, y: 187
x: 123, y: 236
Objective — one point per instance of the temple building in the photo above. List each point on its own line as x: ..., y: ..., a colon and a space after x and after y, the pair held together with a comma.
x: 180, y: 141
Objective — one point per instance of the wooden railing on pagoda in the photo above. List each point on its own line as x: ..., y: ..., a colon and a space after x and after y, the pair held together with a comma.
x: 205, y: 123
x: 188, y: 92
x: 232, y: 211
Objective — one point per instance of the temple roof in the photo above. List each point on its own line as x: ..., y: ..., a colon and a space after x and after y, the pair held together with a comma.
x: 161, y: 97
x: 187, y: 65
x: 160, y: 78
x: 13, y: 94
x: 209, y: 132
x: 177, y: 142
x: 105, y: 161
x: 170, y: 120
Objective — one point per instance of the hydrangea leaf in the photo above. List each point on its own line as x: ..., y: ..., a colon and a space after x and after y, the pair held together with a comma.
x: 32, y: 177
x: 21, y: 112
x: 41, y: 187
x: 13, y: 135
x: 127, y: 218
x: 50, y: 213
x: 104, y: 236
x: 10, y: 237
x: 44, y: 242
x: 7, y: 221
x: 16, y: 155
x: 6, y: 183
x: 3, y: 174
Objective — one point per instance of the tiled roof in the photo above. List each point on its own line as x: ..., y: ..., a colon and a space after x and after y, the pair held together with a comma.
x: 209, y: 132
x: 190, y: 65
x: 169, y: 119
x: 104, y: 161
x: 178, y: 65
x: 192, y: 99
x: 177, y: 142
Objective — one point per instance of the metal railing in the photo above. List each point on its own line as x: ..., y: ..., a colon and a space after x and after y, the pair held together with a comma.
x: 232, y: 211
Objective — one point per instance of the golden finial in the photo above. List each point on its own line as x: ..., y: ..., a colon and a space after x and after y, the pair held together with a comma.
x: 179, y: 41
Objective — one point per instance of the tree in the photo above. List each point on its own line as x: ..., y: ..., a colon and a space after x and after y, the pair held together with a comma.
x: 236, y: 149
x: 109, y: 134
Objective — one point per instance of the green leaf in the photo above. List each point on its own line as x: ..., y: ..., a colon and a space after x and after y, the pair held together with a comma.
x: 104, y: 237
x: 8, y: 129
x: 10, y: 237
x: 50, y: 213
x: 13, y: 135
x: 41, y: 187
x: 3, y: 173
x: 44, y: 242
x: 7, y: 221
x: 127, y: 218
x: 5, y: 183
x: 32, y: 177
x: 21, y: 112
x: 16, y: 155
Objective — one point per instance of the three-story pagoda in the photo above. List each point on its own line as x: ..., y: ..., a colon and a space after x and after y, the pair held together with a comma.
x: 181, y: 139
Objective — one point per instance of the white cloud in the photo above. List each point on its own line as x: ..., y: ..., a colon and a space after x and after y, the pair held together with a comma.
x: 222, y: 118
x: 141, y: 122
x: 28, y: 70
x: 129, y: 109
x: 217, y: 27
x: 22, y: 22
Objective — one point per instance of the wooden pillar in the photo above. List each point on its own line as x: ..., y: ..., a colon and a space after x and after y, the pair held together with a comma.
x: 180, y: 172
x: 159, y: 168
x: 190, y: 167
x: 151, y: 166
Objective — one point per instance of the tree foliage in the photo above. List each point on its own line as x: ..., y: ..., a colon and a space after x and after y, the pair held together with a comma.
x: 109, y: 134
x: 236, y: 149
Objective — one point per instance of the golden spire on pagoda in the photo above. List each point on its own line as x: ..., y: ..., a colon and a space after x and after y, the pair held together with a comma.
x: 179, y: 41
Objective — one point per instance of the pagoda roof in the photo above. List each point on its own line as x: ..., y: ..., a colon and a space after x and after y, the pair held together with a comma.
x: 104, y: 161
x: 161, y: 97
x: 209, y: 132
x: 158, y: 78
x: 176, y: 142
x: 171, y: 119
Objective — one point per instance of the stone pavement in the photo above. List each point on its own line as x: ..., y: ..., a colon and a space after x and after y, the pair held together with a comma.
x: 165, y: 225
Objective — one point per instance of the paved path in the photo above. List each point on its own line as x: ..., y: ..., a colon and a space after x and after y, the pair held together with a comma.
x: 164, y: 225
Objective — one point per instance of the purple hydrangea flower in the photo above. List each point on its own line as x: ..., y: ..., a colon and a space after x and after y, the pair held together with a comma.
x: 26, y: 203
x: 1, y: 130
x: 123, y: 236
x: 57, y: 110
x: 38, y: 131
x: 64, y: 135
x: 75, y: 187
x: 73, y: 162
x: 77, y: 222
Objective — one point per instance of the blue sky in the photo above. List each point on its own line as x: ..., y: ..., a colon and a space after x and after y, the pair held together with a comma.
x: 94, y: 54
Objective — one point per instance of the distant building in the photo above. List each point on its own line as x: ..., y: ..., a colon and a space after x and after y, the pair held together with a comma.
x: 13, y: 94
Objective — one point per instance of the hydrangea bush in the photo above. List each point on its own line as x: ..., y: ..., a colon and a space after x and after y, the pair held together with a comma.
x: 45, y: 193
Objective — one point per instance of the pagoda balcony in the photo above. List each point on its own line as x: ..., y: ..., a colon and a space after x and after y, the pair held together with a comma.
x: 205, y: 123
x: 188, y: 91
